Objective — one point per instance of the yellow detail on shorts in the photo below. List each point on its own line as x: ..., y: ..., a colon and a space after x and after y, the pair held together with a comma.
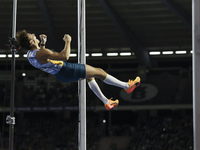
x: 57, y: 62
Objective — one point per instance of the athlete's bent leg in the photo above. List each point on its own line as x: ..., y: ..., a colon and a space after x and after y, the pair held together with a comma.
x: 97, y: 91
x: 109, y: 104
x: 101, y: 74
x: 92, y: 72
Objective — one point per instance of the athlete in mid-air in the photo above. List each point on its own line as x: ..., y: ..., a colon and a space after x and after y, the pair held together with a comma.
x: 56, y: 64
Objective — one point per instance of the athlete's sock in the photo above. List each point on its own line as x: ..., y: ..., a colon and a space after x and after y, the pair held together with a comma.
x: 114, y: 81
x: 95, y: 88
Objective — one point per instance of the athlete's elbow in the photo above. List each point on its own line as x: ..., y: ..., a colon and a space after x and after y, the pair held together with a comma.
x: 66, y: 57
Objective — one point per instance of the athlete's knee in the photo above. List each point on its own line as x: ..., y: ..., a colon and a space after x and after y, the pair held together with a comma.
x: 101, y: 74
x: 90, y: 79
x: 99, y: 71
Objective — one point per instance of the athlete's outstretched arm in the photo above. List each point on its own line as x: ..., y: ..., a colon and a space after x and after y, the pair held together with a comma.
x: 44, y: 53
x: 67, y: 49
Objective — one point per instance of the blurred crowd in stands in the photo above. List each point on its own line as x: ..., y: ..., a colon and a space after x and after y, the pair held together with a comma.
x: 58, y: 130
x: 43, y: 90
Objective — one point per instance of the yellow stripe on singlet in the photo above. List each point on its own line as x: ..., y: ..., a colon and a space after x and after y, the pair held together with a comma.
x: 57, y: 62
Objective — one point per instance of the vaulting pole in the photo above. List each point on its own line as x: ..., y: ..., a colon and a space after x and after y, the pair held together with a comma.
x: 196, y: 71
x: 82, y: 84
x: 11, y: 119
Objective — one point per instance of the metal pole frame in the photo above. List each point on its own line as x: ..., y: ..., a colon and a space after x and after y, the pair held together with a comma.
x: 10, y: 119
x: 82, y: 83
x: 196, y: 71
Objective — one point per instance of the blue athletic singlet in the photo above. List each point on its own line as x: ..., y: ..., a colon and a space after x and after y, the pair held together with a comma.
x: 61, y: 70
x: 51, y: 67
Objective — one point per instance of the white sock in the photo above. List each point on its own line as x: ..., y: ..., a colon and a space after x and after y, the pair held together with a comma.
x: 114, y: 81
x: 95, y: 88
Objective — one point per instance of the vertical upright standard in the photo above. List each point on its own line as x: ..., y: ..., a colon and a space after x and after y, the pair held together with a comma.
x: 81, y: 84
x: 196, y: 71
x: 10, y: 119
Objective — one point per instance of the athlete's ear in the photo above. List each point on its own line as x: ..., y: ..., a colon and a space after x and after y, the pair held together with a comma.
x: 31, y: 42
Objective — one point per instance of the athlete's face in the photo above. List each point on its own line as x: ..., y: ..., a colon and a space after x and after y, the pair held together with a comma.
x: 32, y: 37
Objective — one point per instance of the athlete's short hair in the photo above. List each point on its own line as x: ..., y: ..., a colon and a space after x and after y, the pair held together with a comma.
x: 23, y: 39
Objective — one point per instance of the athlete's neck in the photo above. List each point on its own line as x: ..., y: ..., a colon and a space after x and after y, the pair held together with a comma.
x: 35, y: 47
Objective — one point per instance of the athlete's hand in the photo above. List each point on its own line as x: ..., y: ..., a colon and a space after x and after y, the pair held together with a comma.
x: 43, y: 39
x: 67, y: 38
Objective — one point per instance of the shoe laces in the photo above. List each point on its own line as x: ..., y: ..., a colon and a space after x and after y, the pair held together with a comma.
x: 113, y: 102
x: 130, y: 80
x: 111, y: 98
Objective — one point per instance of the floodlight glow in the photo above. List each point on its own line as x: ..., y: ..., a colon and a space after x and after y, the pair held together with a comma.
x: 10, y: 55
x: 167, y: 52
x: 112, y: 54
x: 181, y: 52
x: 73, y: 55
x: 97, y: 54
x: 125, y: 54
x: 154, y: 53
x: 23, y: 74
x: 2, y: 55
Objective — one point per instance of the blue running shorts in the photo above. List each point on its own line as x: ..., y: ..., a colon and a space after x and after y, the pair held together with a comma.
x: 71, y: 72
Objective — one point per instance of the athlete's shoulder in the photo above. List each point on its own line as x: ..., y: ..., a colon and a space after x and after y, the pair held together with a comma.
x: 32, y: 53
